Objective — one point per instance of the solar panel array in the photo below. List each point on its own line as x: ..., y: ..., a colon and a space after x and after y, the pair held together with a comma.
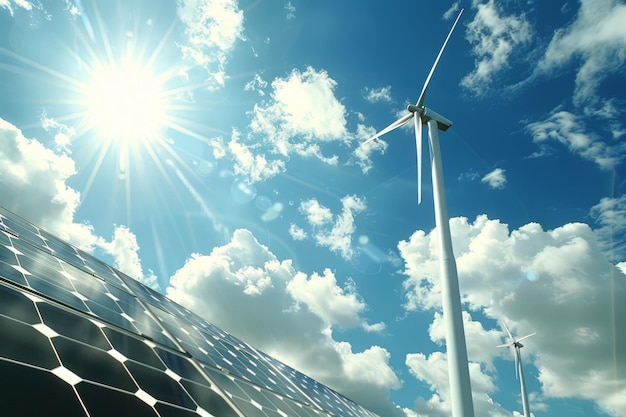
x: 80, y: 338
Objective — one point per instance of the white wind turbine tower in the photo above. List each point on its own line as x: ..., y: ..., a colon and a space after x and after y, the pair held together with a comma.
x: 458, y: 371
x: 519, y: 371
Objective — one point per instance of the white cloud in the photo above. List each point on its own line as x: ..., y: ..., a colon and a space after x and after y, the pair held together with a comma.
x: 495, y: 179
x: 124, y: 249
x: 610, y: 215
x: 302, y: 117
x: 302, y: 113
x: 433, y: 370
x: 495, y: 39
x: 470, y: 176
x: 8, y: 4
x: 321, y: 294
x: 244, y: 289
x: 451, y: 12
x: 334, y: 232
x: 362, y: 153
x: 64, y: 134
x: 525, y: 276
x: 256, y: 84
x: 303, y: 105
x: 297, y: 233
x: 291, y: 10
x: 316, y: 214
x: 33, y: 185
x: 212, y: 28
x: 597, y: 39
x: 569, y: 130
x: 482, y: 341
x: 374, y: 95
x: 255, y: 167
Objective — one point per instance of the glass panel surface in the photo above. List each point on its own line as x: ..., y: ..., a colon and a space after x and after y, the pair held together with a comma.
x: 160, y: 386
x: 16, y: 305
x: 93, y: 364
x: 133, y: 348
x: 208, y: 399
x: 72, y: 325
x: 104, y: 402
x: 8, y: 272
x: 21, y: 342
x: 29, y: 392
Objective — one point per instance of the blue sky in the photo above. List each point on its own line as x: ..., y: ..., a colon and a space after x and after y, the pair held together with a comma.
x: 213, y: 150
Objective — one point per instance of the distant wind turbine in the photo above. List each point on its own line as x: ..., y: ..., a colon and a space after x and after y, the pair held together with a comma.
x: 519, y: 371
x: 460, y: 387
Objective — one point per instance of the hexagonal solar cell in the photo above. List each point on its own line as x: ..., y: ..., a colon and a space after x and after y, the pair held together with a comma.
x: 94, y: 342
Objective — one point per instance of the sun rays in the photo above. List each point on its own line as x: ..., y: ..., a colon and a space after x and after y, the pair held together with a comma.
x: 126, y: 103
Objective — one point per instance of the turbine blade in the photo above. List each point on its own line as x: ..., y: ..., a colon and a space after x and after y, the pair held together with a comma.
x: 420, y: 100
x: 400, y: 122
x: 504, y: 345
x: 507, y: 332
x: 528, y: 335
x: 417, y: 124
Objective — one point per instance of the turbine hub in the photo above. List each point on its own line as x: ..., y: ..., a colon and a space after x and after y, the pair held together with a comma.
x: 415, y: 109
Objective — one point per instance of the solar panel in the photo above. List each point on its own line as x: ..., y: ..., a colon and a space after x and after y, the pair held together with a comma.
x: 79, y: 338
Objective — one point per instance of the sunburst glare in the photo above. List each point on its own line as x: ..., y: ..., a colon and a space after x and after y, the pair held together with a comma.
x: 125, y: 98
x: 125, y: 102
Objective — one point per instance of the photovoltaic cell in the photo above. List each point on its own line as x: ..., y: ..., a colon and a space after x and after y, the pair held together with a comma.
x: 95, y: 342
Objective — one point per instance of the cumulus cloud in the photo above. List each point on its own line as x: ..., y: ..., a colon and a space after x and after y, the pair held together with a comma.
x: 124, y: 249
x: 322, y: 295
x: 333, y: 231
x: 433, y: 370
x: 33, y: 185
x: 495, y: 40
x: 568, y: 129
x: 303, y: 105
x: 297, y: 233
x: 9, y: 5
x: 596, y: 41
x: 316, y: 214
x: 523, y: 276
x: 244, y: 289
x: 257, y: 84
x: 211, y: 27
x: 374, y: 95
x: 495, y: 179
x: 251, y: 163
x: 301, y: 116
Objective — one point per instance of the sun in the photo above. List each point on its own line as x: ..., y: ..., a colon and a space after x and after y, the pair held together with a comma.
x: 125, y: 102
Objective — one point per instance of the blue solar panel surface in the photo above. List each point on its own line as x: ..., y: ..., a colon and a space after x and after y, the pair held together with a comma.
x: 80, y: 338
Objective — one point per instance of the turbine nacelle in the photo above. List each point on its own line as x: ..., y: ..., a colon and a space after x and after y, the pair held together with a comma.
x: 427, y: 114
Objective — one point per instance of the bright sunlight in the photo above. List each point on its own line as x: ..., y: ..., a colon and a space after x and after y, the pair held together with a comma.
x: 125, y: 103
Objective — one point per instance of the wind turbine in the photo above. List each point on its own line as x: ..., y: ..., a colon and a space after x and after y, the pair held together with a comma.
x: 519, y: 371
x: 458, y: 371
